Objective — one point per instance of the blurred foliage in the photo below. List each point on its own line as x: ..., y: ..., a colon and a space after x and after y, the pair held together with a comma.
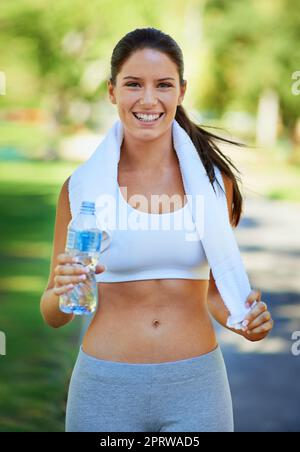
x: 58, y: 44
x: 20, y: 139
x: 55, y: 52
x: 34, y: 373
x: 253, y: 46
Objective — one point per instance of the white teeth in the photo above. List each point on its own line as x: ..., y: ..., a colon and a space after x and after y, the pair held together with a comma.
x: 148, y: 118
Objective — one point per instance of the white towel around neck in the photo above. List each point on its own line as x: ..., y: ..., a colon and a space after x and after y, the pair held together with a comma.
x: 96, y: 180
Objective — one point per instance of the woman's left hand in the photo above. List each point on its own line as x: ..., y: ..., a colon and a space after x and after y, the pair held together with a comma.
x: 259, y: 319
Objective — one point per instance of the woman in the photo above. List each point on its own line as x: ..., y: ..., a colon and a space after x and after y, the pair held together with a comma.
x: 149, y: 360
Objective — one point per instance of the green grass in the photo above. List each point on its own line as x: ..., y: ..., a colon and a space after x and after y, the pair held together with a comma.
x: 35, y: 372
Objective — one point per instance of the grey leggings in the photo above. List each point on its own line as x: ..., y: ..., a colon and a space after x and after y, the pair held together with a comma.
x: 189, y: 395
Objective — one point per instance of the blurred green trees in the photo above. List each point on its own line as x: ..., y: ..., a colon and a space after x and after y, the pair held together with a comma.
x: 56, y: 55
x: 253, y: 49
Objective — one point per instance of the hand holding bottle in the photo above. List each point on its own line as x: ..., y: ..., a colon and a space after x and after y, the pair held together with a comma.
x: 69, y: 272
x: 80, y: 294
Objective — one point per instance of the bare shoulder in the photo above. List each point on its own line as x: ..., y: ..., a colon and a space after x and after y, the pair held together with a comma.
x: 62, y: 220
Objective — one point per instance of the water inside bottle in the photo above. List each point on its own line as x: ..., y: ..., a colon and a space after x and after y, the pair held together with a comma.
x: 83, y: 298
x: 83, y: 241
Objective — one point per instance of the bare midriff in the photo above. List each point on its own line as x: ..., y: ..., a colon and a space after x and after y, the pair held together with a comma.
x: 151, y: 321
x: 157, y: 320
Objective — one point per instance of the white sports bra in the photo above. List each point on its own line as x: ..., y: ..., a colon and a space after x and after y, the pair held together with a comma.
x: 153, y: 246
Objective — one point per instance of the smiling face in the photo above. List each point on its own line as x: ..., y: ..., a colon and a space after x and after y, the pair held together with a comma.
x: 139, y: 89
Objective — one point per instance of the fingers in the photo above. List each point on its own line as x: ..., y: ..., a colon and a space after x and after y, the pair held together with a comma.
x: 62, y: 289
x: 264, y: 328
x: 70, y: 279
x: 255, y: 295
x: 75, y: 269
x: 63, y: 283
x: 64, y: 258
x: 68, y: 273
x: 100, y: 268
x: 259, y: 320
x: 255, y: 312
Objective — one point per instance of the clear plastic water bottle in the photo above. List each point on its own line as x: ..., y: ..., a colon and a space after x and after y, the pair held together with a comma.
x: 83, y: 242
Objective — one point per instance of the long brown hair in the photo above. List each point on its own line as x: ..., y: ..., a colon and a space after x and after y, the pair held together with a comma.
x: 204, y: 141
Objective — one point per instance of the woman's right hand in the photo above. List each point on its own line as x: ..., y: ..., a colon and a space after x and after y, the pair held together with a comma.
x: 68, y: 273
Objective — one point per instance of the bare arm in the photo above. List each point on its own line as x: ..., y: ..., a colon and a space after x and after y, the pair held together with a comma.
x: 49, y: 303
x: 64, y: 273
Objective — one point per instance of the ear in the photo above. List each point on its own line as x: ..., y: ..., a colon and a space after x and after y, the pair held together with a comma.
x: 111, y: 92
x: 182, y: 92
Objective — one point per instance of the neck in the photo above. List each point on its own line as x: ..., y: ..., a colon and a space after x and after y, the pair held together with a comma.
x: 138, y: 155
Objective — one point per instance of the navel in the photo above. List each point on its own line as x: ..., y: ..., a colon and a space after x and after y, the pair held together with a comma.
x: 155, y: 323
